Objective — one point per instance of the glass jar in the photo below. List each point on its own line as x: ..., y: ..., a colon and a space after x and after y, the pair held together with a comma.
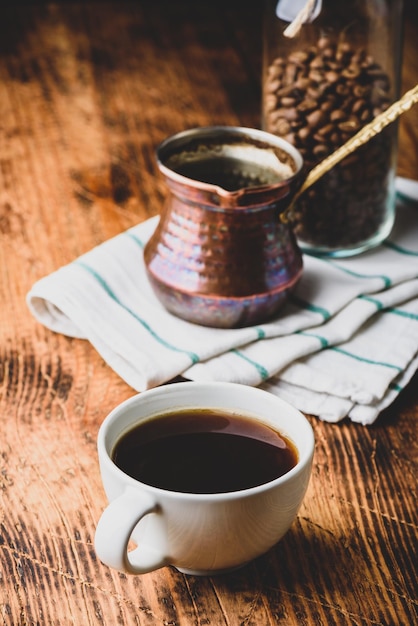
x: 321, y: 85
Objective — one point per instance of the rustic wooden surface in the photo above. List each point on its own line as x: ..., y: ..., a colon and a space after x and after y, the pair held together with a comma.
x: 87, y: 90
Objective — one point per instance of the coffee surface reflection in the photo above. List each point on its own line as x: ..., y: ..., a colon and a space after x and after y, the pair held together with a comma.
x: 204, y: 451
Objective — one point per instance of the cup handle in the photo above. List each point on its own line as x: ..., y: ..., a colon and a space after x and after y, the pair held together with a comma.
x: 114, y: 531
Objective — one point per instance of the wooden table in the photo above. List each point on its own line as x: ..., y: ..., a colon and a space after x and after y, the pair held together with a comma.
x: 87, y: 91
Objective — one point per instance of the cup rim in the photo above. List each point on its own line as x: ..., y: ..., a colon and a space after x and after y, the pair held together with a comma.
x: 127, y: 405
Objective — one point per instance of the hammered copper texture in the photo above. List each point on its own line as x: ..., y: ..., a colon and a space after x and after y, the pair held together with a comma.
x: 223, y: 259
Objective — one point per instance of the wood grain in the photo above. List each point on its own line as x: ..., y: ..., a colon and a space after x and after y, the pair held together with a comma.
x: 87, y: 90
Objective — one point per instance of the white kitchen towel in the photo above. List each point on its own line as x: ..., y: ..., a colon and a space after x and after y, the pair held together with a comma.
x: 345, y: 344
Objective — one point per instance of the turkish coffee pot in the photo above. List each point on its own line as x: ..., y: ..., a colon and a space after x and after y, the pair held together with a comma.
x: 220, y: 255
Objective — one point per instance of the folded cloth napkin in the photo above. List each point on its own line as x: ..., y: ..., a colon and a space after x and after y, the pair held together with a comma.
x: 345, y: 344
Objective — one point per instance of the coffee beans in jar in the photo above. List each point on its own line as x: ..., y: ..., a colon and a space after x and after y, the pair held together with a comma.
x: 317, y: 93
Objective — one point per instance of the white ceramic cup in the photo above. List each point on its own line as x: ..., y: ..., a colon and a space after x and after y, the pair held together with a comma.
x: 198, y: 533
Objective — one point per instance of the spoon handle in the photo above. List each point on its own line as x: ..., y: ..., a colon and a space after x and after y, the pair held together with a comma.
x: 369, y: 131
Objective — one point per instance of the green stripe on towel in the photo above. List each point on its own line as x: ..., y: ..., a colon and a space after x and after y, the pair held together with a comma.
x: 260, y: 368
x: 135, y: 238
x: 386, y: 280
x: 400, y: 249
x: 193, y: 357
x: 374, y: 301
x: 411, y: 316
x: 304, y: 304
x: 364, y: 360
x: 324, y: 342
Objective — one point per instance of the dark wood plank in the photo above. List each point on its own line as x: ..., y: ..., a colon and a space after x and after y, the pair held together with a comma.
x: 87, y: 90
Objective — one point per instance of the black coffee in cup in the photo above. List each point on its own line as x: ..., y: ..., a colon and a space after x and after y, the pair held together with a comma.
x: 204, y: 451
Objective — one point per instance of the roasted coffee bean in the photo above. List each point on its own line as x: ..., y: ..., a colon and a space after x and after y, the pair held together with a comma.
x: 315, y: 119
x: 287, y: 101
x: 317, y: 99
x: 337, y: 115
